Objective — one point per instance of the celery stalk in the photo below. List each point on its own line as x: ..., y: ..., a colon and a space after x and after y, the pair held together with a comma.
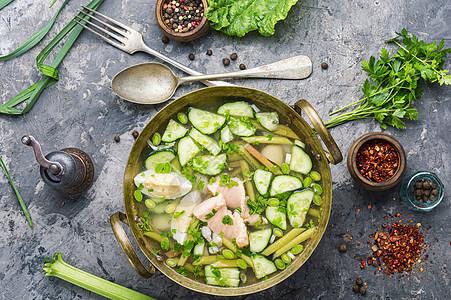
x: 57, y: 267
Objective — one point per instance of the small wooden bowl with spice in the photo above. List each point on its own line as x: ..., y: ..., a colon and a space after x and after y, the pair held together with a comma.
x: 182, y: 20
x: 376, y: 161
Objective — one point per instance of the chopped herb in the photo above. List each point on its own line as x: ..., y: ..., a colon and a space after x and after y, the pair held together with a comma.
x: 200, y: 185
x: 210, y: 214
x: 165, y: 244
x: 144, y: 224
x: 225, y: 180
x: 212, y: 180
x: 215, y: 271
x: 183, y: 271
x: 256, y: 143
x: 198, y: 271
x: 227, y: 220
x: 274, y: 169
x: 141, y: 186
x: 269, y: 136
x: 177, y: 214
x: 177, y: 247
x: 156, y: 251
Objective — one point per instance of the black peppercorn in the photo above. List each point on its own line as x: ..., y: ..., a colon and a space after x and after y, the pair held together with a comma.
x: 342, y: 248
x: 359, y: 281
x: 362, y: 290
x: 324, y: 65
x: 209, y: 52
x: 164, y: 39
x: 226, y: 61
x: 191, y: 56
x: 135, y: 134
x: 242, y: 67
x: 233, y: 56
x: 355, y: 288
x: 117, y: 139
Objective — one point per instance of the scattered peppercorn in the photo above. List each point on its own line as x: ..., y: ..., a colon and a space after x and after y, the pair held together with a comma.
x: 209, y: 52
x: 324, y: 65
x: 233, y: 56
x: 242, y: 67
x: 226, y: 61
x: 355, y: 288
x: 359, y: 281
x: 135, y: 134
x: 377, y: 160
x: 342, y: 248
x: 362, y: 290
x: 191, y: 56
x: 182, y: 15
x: 424, y: 190
x: 164, y: 39
x: 117, y: 139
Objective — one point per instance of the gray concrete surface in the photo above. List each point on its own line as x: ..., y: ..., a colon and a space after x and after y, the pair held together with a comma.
x: 82, y: 111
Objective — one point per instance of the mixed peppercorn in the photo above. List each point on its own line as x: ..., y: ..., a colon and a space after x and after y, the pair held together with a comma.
x: 182, y: 15
x: 377, y: 160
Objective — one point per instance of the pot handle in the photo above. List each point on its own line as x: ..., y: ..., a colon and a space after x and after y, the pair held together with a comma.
x: 126, y: 246
x: 334, y: 155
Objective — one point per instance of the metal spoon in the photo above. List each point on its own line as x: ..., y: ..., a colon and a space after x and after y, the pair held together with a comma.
x: 152, y: 83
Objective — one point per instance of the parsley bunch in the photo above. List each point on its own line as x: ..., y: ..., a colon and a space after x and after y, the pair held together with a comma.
x: 394, y: 82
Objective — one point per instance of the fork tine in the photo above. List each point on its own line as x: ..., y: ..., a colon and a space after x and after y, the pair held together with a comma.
x: 119, y: 38
x: 121, y: 32
x: 99, y: 35
x: 108, y: 18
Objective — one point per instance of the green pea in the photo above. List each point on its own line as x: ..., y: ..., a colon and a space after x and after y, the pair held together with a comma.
x: 228, y: 254
x: 156, y: 139
x: 277, y: 232
x: 273, y: 202
x: 297, y: 249
x: 317, y: 189
x: 279, y: 264
x: 286, y: 258
x: 182, y: 118
x: 285, y: 168
x: 159, y: 167
x: 167, y: 167
x: 138, y: 196
x: 307, y: 181
x: 241, y: 263
x: 315, y: 176
x: 317, y: 200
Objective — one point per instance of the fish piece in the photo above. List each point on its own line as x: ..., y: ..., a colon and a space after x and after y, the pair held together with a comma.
x: 237, y: 231
x: 252, y: 220
x: 184, y: 211
x: 234, y: 196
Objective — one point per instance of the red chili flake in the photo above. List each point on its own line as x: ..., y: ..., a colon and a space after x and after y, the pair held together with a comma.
x: 369, y: 206
x: 358, y: 210
x: 377, y: 160
x: 362, y: 264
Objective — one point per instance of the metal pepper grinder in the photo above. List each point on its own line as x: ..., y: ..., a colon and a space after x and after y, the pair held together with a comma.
x: 70, y: 171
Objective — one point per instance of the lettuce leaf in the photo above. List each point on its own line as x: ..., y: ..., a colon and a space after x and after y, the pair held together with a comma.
x: 238, y: 17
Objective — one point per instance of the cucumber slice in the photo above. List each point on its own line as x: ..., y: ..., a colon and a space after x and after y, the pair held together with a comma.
x: 205, y: 141
x: 284, y: 183
x: 173, y: 131
x: 269, y: 120
x: 199, y: 249
x: 262, y: 179
x: 160, y: 156
x: 298, y: 205
x: 262, y: 266
x: 276, y: 217
x: 237, y: 109
x: 258, y: 240
x: 187, y: 150
x: 300, y: 161
x: 230, y: 273
x: 209, y: 165
x: 241, y: 127
x: 226, y: 135
x: 205, y: 121
x: 225, y: 281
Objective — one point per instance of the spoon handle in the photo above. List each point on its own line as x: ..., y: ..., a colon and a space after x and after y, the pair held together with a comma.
x: 296, y: 67
x: 179, y: 66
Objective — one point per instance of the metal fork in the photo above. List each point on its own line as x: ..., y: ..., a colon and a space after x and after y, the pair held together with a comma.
x: 129, y: 40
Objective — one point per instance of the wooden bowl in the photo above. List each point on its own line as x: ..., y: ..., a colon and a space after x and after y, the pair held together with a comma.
x: 366, y: 183
x: 197, y: 32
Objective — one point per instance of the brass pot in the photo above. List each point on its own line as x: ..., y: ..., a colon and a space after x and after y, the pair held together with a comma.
x: 201, y: 98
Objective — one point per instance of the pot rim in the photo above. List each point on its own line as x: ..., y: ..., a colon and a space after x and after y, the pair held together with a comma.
x: 275, y: 279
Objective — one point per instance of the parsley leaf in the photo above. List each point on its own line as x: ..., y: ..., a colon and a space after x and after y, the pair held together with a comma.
x: 227, y: 220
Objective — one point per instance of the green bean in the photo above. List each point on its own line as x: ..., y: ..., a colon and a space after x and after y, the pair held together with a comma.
x: 315, y: 176
x: 285, y: 168
x: 297, y: 249
x: 313, y: 212
x: 297, y: 240
x: 279, y: 264
x: 156, y: 139
x: 138, y: 195
x: 282, y: 241
x: 317, y: 200
x: 307, y: 181
x: 248, y: 183
x: 154, y: 236
x: 206, y: 260
x: 225, y: 263
x: 182, y: 118
x: 265, y: 140
x: 317, y: 189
